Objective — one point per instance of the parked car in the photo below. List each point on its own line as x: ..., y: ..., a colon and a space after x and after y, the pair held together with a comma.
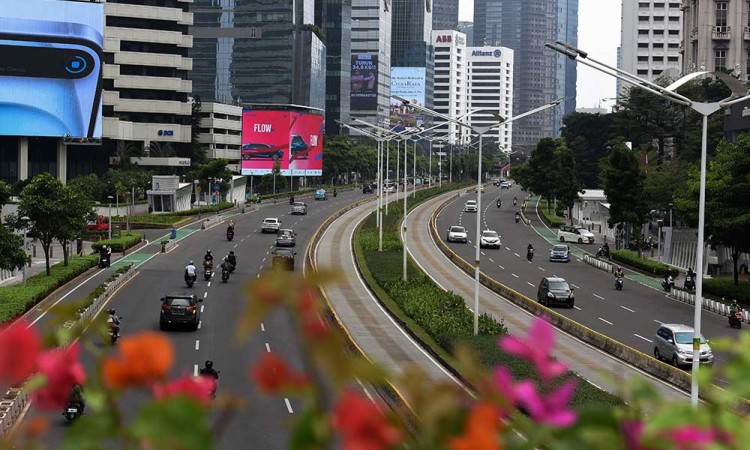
x: 505, y: 185
x: 180, y: 309
x: 262, y: 151
x: 321, y: 194
x: 457, y: 234
x: 283, y: 258
x: 471, y: 206
x: 97, y: 223
x: 270, y: 225
x: 560, y: 252
x: 286, y: 238
x: 299, y: 208
x: 572, y: 233
x: 674, y: 343
x: 553, y: 290
x: 489, y: 239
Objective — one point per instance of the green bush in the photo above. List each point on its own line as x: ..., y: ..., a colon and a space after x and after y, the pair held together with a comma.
x: 649, y: 266
x: 119, y: 244
x: 17, y: 299
x: 172, y: 218
x: 725, y: 287
x: 88, y: 300
x: 551, y: 218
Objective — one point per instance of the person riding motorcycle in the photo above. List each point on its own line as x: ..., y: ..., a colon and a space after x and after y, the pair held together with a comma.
x: 291, y: 199
x: 208, y: 256
x: 619, y: 273
x: 518, y: 216
x: 114, y: 320
x: 529, y: 251
x: 76, y: 397
x: 209, y: 371
x: 734, y: 307
x: 190, y: 270
x: 690, y: 279
x: 231, y: 225
x: 335, y: 192
x: 499, y: 203
x: 514, y: 201
x: 232, y: 259
x: 605, y: 248
x: 668, y: 281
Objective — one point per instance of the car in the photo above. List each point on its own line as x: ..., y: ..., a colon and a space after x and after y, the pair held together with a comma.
x: 298, y: 149
x: 286, y: 238
x: 299, y: 208
x: 505, y: 185
x: 489, y: 239
x: 180, y: 309
x: 554, y: 290
x: 560, y: 252
x: 367, y: 188
x: 482, y: 189
x: 389, y: 188
x: 471, y: 206
x: 570, y: 233
x: 283, y: 258
x: 496, y: 182
x: 262, y: 151
x: 321, y: 194
x: 457, y: 234
x: 674, y: 343
x: 270, y: 225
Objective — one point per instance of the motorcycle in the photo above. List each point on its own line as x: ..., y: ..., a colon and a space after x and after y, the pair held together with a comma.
x: 72, y: 411
x: 232, y: 265
x: 103, y: 260
x: 224, y: 274
x: 230, y: 235
x: 114, y: 330
x: 689, y: 283
x: 207, y: 270
x: 530, y: 254
x: 618, y: 283
x: 514, y: 202
x: 499, y: 203
x: 518, y: 218
x: 667, y: 284
x: 735, y: 320
x: 602, y: 253
x: 190, y: 280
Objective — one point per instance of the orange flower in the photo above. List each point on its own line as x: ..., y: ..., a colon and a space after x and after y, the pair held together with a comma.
x: 272, y: 374
x: 363, y: 425
x: 315, y: 327
x: 144, y: 358
x: 481, y: 429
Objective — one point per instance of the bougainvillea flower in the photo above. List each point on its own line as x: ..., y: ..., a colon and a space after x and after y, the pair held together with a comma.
x: 551, y: 409
x: 505, y: 384
x: 272, y: 374
x: 537, y: 348
x: 314, y: 327
x: 143, y: 359
x: 197, y: 388
x: 362, y: 425
x: 61, y: 370
x: 632, y: 431
x: 19, y: 347
x: 691, y: 437
x: 481, y: 431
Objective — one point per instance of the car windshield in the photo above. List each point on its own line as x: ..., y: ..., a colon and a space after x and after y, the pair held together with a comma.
x: 458, y: 229
x: 559, y: 286
x: 686, y: 338
x: 582, y: 230
x: 560, y: 248
x: 284, y: 253
x: 179, y: 302
x: 471, y: 202
x: 270, y: 220
x: 285, y: 233
x: 489, y: 234
x: 299, y: 204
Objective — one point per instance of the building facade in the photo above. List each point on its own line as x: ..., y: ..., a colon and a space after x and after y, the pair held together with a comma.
x: 466, y: 28
x: 445, y: 14
x: 451, y: 90
x: 221, y: 132
x: 650, y: 40
x: 411, y: 40
x: 715, y: 36
x: 338, y: 40
x: 490, y: 86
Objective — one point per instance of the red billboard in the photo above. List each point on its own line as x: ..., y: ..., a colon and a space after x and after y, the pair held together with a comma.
x: 292, y: 139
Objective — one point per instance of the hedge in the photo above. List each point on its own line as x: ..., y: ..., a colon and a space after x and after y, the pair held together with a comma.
x: 172, y: 218
x: 649, y: 266
x: 725, y: 288
x: 17, y: 299
x: 89, y: 299
x: 551, y: 218
x: 119, y: 244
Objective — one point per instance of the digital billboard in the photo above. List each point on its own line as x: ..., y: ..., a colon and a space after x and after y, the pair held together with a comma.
x: 364, y: 78
x: 293, y: 139
x: 51, y: 68
x: 409, y: 83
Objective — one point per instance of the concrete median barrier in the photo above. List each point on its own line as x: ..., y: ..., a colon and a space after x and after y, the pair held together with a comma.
x: 598, y: 263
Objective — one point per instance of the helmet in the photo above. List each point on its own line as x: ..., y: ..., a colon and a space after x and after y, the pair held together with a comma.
x: 190, y: 263
x: 209, y: 364
x: 208, y: 251
x: 111, y: 311
x: 619, y: 267
x: 231, y: 252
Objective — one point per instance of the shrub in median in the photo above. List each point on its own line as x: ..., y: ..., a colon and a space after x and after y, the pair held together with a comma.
x: 17, y: 299
x: 631, y: 258
x: 119, y: 244
x: 551, y: 218
x: 725, y: 287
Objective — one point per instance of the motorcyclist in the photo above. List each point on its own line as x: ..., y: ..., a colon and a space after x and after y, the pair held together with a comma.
x: 668, y: 281
x: 291, y: 199
x: 529, y: 251
x: 208, y: 256
x: 335, y: 192
x: 225, y: 264
x: 518, y: 215
x: 231, y: 225
x: 605, y: 249
x: 190, y: 270
x: 734, y: 307
x: 690, y: 279
x: 499, y: 202
x: 232, y: 259
x: 76, y: 397
x: 514, y: 201
x: 619, y: 273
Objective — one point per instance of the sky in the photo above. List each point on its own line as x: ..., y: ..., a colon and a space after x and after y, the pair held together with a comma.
x: 599, y: 35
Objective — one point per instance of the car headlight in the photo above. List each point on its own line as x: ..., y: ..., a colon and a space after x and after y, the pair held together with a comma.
x: 550, y: 294
x: 572, y: 295
x: 685, y: 352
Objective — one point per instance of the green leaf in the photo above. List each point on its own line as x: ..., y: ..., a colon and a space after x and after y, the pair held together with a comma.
x: 89, y: 431
x: 176, y: 423
x: 309, y: 432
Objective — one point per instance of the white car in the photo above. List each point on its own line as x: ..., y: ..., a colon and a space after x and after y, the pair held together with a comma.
x: 489, y: 239
x: 471, y: 206
x: 505, y: 185
x: 569, y: 233
x: 270, y: 225
x: 457, y: 234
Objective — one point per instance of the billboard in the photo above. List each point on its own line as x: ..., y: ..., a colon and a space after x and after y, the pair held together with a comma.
x: 364, y: 78
x: 51, y: 68
x: 291, y: 139
x: 409, y: 83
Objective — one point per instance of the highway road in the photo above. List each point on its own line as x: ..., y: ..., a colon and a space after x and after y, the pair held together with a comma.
x: 264, y: 420
x: 630, y: 316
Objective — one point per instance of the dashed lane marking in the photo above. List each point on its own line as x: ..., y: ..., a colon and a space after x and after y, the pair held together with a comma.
x: 605, y: 321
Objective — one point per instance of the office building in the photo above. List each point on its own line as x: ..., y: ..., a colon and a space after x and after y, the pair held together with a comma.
x: 221, y: 133
x: 255, y: 51
x: 411, y: 41
x: 445, y: 14
x: 490, y: 86
x: 451, y: 90
x: 338, y: 40
x: 715, y: 34
x: 650, y: 40
x: 467, y: 28
x: 371, y: 60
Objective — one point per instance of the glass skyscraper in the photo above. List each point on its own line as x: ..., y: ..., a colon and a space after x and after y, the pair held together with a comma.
x: 445, y: 14
x: 411, y: 40
x: 338, y: 28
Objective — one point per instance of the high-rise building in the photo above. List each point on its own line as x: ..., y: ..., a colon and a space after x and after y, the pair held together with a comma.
x: 411, y: 40
x: 257, y: 51
x: 541, y: 75
x: 490, y: 87
x: 467, y: 28
x: 445, y: 14
x: 338, y: 36
x: 650, y: 40
x: 715, y: 35
x: 371, y: 60
x: 451, y: 90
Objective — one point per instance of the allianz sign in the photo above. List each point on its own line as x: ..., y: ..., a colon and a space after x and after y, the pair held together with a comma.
x: 496, y: 53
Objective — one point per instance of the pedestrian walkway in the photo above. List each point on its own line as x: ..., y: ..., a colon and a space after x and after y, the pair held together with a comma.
x: 38, y: 262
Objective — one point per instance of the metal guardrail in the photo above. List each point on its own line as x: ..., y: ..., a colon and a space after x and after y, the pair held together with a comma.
x: 708, y: 304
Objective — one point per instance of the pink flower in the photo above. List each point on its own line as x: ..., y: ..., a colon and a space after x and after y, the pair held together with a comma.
x: 505, y: 384
x: 197, y: 388
x: 632, y: 431
x: 550, y: 409
x: 690, y: 437
x: 62, y: 370
x: 19, y: 347
x: 536, y: 348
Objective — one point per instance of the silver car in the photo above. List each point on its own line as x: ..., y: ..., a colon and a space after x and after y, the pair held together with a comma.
x: 489, y: 239
x: 270, y: 225
x: 674, y: 343
x: 286, y: 238
x: 299, y: 208
x: 560, y: 252
x: 457, y: 234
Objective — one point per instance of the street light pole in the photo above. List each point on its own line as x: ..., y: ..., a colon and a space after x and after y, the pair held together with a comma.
x: 109, y: 224
x: 403, y: 219
x: 25, y: 220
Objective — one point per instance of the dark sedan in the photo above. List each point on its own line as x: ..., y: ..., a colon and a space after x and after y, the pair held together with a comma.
x: 180, y: 309
x: 283, y: 258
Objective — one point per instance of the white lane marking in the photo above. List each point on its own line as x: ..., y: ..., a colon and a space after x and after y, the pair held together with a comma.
x: 268, y: 348
x: 264, y: 260
x: 658, y: 321
x: 257, y: 276
x: 514, y: 275
x: 205, y: 294
x: 262, y: 327
x: 288, y: 406
x: 267, y: 253
x: 482, y: 253
x: 507, y: 248
x: 209, y: 283
x: 517, y: 254
x: 195, y: 370
x: 64, y: 297
x: 260, y: 268
x: 501, y: 266
x: 530, y: 284
x: 628, y: 309
x: 575, y: 286
x: 235, y: 245
x: 641, y: 337
x: 541, y: 268
x: 599, y: 297
x: 202, y: 308
x: 579, y: 309
x: 197, y: 344
x: 605, y: 321
x: 491, y: 260
x: 200, y: 323
x: 243, y: 240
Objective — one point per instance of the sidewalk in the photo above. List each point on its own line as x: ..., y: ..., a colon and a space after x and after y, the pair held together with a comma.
x: 38, y: 263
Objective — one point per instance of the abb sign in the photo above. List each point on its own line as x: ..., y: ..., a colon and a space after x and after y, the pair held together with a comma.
x: 444, y: 39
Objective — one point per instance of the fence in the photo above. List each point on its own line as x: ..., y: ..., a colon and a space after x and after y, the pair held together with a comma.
x: 598, y: 263
x: 710, y: 305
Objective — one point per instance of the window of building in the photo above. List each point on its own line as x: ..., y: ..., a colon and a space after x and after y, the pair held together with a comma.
x: 672, y: 58
x: 658, y: 32
x: 642, y: 18
x: 643, y: 45
x: 658, y: 18
x: 720, y: 60
x: 643, y: 72
x: 674, y: 18
x: 643, y: 31
x: 748, y: 65
x: 643, y: 4
x: 674, y: 32
x: 643, y: 58
x: 721, y: 17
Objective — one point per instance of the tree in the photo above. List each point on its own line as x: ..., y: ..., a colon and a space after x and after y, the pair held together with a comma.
x: 90, y: 186
x: 74, y: 208
x: 12, y: 254
x: 586, y: 135
x: 41, y: 202
x: 215, y: 169
x: 543, y: 175
x: 622, y: 180
x: 663, y: 182
x: 197, y: 149
x: 568, y: 188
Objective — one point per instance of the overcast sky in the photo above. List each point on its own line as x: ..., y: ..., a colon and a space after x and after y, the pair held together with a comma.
x: 599, y: 35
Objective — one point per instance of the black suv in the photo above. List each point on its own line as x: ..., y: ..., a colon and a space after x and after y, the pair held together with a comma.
x: 367, y: 189
x: 180, y: 309
x: 284, y: 258
x: 555, y: 291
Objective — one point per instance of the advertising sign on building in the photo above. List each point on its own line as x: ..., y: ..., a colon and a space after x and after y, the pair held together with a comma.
x: 51, y: 68
x: 409, y: 83
x: 292, y: 140
x: 364, y: 95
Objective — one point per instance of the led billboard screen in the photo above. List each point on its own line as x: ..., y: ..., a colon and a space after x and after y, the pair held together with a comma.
x: 409, y: 83
x: 50, y: 68
x: 364, y: 95
x: 292, y: 139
